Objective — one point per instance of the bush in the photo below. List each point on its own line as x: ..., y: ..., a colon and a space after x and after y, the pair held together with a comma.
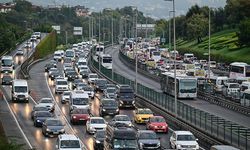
x: 46, y: 46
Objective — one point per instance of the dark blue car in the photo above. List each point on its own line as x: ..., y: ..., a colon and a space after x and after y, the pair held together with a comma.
x: 40, y: 117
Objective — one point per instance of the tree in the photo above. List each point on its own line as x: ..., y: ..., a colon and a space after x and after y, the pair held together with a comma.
x: 197, y: 26
x: 244, y: 33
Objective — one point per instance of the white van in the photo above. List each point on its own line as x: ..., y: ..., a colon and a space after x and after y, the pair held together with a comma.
x: 188, y: 57
x: 79, y: 100
x: 213, y: 64
x: 20, y: 91
x: 7, y: 64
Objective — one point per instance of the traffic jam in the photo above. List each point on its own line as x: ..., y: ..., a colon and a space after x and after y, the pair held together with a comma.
x: 230, y: 81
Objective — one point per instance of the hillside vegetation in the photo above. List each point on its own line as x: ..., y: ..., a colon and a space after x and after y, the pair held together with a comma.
x: 224, y: 47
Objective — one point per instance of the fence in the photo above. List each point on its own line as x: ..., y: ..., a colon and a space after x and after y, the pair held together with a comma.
x: 216, y: 127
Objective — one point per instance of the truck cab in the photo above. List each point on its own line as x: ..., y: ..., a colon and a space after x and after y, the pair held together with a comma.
x: 20, y: 91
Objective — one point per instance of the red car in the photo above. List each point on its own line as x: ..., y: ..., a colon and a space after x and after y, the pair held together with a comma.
x: 157, y: 124
x: 79, y: 115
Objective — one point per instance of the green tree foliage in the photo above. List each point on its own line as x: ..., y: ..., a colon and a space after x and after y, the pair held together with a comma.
x: 237, y: 10
x: 23, y: 6
x: 244, y: 33
x: 197, y: 26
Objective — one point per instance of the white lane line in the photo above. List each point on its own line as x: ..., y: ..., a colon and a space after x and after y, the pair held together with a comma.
x: 63, y: 115
x: 18, y: 125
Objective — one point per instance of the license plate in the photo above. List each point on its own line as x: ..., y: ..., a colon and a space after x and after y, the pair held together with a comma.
x: 81, y: 119
x: 55, y: 132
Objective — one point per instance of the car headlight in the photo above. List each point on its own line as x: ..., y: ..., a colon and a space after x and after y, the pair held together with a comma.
x: 133, y: 102
x: 121, y: 102
x: 62, y: 130
x: 158, y: 144
x: 91, y: 128
x: 38, y: 120
x: 197, y: 146
x: 74, y: 117
x: 155, y: 126
x: 103, y: 109
x: 130, y: 124
x: 178, y: 146
x: 48, y: 129
x: 98, y: 142
x: 117, y: 109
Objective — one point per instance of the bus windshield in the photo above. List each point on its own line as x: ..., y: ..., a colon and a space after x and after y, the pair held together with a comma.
x: 188, y: 86
x: 7, y: 62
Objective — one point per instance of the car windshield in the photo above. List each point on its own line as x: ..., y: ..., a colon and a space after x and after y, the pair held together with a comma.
x: 111, y: 90
x: 93, y: 76
x: 87, y: 88
x: 124, y: 143
x: 46, y: 101
x: 147, y: 135
x: 234, y: 86
x: 185, y: 138
x: 62, y: 83
x: 40, y: 109
x: 145, y: 111
x: 43, y: 114
x: 97, y: 121
x: 66, y: 93
x: 70, y: 144
x: 100, y: 134
x: 21, y: 89
x: 54, y: 123
x: 80, y: 101
x: 122, y: 118
x: 157, y: 119
x: 80, y: 111
x: 7, y: 78
x: 101, y: 82
x: 7, y: 62
x: 109, y: 103
x: 71, y: 73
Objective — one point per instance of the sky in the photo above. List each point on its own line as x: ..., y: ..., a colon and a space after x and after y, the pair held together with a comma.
x: 153, y: 8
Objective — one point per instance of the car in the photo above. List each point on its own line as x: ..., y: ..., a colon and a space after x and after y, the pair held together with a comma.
x: 33, y: 38
x: 142, y: 115
x: 72, y: 75
x: 84, y: 72
x: 55, y: 74
x: 19, y: 52
x: 65, y: 97
x: 54, y: 63
x: 48, y: 66
x: 110, y: 92
x: 61, y: 85
x: 183, y: 140
x: 47, y: 102
x: 52, y: 70
x: 108, y: 107
x: 147, y: 139
x: 100, y: 84
x: 98, y: 139
x: 90, y: 91
x: 110, y: 85
x: 92, y: 77
x: 7, y: 80
x: 94, y: 124
x: 123, y: 119
x: 40, y: 117
x: 75, y: 82
x: 81, y: 86
x: 69, y: 142
x: 57, y: 56
x: 79, y: 99
x: 52, y: 126
x: 125, y: 96
x: 79, y: 115
x: 157, y: 124
x: 37, y: 108
x: 27, y: 44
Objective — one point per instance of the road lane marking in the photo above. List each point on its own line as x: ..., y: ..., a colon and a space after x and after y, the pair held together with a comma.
x: 18, y: 125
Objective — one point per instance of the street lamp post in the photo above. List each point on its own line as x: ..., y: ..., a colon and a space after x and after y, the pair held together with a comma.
x: 112, y: 30
x: 175, y: 96
x: 169, y: 27
x: 209, y: 42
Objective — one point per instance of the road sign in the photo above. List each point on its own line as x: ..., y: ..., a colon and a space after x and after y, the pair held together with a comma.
x: 57, y: 28
x: 77, y: 31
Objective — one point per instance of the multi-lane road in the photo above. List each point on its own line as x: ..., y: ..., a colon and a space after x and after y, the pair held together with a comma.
x: 216, y: 110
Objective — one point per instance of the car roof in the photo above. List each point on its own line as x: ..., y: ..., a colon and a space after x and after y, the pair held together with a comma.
x: 96, y: 118
x: 68, y: 137
x: 183, y: 133
x: 145, y: 131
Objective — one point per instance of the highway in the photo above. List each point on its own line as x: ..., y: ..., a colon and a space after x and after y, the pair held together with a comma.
x: 222, y: 112
x: 39, y: 84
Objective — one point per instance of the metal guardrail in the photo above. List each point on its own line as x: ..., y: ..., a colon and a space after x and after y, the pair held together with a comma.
x: 213, y: 129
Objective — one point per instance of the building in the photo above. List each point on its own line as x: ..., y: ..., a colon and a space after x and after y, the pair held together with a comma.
x: 6, y: 7
x: 81, y: 11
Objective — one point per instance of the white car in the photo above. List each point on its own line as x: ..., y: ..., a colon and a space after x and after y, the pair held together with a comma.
x: 61, y: 85
x: 95, y: 123
x: 65, y: 97
x: 69, y: 142
x: 183, y: 140
x: 47, y: 102
x: 57, y: 56
x: 92, y: 77
x: 19, y: 52
x: 79, y: 100
x: 124, y: 119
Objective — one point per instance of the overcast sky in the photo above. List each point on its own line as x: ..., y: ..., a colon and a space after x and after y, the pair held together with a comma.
x: 154, y: 8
